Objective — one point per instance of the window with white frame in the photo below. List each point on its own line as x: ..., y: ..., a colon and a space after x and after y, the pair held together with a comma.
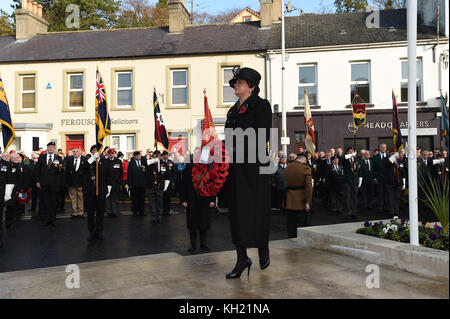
x: 124, y: 85
x: 179, y: 81
x: 28, y: 92
x: 126, y: 143
x: 307, y: 78
x: 360, y: 81
x: 404, y: 80
x: 228, y: 96
x: 76, y: 91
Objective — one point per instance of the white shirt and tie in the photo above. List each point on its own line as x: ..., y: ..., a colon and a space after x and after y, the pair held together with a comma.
x: 76, y: 164
x: 368, y: 164
x: 50, y: 156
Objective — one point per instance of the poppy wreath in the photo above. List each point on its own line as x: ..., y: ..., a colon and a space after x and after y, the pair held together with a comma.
x: 206, y: 182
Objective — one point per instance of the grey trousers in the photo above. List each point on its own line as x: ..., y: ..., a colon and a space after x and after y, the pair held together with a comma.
x: 111, y: 204
x: 156, y: 203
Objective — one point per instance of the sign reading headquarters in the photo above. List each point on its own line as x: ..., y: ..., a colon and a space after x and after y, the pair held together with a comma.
x: 77, y: 122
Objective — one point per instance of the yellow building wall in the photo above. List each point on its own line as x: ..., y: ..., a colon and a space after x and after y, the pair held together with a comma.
x: 148, y: 72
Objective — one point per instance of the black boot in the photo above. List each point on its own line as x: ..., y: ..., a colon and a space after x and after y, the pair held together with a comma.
x: 264, y: 260
x: 242, y: 263
x: 203, y: 245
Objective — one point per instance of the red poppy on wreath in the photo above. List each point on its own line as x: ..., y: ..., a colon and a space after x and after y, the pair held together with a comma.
x: 243, y: 109
x: 206, y: 182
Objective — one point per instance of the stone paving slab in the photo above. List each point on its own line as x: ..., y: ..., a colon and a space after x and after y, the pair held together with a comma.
x: 343, y: 239
x: 294, y: 273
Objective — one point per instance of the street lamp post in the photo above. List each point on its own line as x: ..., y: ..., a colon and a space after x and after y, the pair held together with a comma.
x: 283, y: 86
x: 412, y: 118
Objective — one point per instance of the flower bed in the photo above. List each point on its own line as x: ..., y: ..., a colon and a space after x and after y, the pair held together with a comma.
x: 398, y: 230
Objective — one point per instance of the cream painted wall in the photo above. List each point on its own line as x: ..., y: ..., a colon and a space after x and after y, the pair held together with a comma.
x: 333, y: 75
x: 148, y: 72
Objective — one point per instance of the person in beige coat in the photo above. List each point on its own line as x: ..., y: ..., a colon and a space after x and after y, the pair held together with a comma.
x: 299, y: 188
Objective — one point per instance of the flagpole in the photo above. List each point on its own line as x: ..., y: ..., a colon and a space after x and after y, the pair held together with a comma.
x: 412, y: 118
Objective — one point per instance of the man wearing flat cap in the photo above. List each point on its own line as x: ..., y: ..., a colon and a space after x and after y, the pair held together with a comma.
x: 299, y: 188
x: 49, y: 179
x: 136, y: 181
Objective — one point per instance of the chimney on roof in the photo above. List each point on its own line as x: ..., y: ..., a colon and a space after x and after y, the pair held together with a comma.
x: 179, y: 16
x: 270, y: 12
x: 29, y: 20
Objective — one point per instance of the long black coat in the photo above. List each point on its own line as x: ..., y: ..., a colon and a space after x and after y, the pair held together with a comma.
x: 136, y: 176
x: 197, y: 212
x: 90, y: 174
x: 247, y: 192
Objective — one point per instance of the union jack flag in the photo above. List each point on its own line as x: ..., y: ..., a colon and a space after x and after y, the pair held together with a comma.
x: 100, y: 91
x: 102, y: 120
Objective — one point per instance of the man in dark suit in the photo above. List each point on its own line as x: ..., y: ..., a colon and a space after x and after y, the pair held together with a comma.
x: 74, y: 179
x: 34, y: 189
x: 49, y: 177
x: 156, y: 180
x: 4, y: 169
x: 334, y: 180
x: 168, y: 165
x: 368, y: 180
x: 351, y: 182
x: 379, y: 175
x: 136, y: 181
x: 95, y: 201
x: 112, y: 207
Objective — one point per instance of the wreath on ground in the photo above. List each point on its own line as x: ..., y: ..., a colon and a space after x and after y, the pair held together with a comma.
x: 208, y: 179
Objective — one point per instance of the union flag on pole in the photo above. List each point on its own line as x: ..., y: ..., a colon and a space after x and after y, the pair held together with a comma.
x: 161, y: 136
x: 310, y: 139
x: 102, y: 120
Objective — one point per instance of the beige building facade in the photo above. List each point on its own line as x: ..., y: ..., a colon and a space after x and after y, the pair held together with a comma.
x: 50, y: 80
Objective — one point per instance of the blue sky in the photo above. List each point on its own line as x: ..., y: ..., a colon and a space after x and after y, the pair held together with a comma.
x: 215, y: 6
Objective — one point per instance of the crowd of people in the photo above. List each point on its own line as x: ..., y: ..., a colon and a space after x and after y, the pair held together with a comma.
x: 344, y: 182
x: 341, y: 182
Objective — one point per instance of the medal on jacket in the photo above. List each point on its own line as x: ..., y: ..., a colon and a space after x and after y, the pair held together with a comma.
x: 13, y: 170
x: 143, y: 169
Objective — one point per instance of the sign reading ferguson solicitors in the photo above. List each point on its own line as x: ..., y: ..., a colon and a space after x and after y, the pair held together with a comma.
x: 78, y: 122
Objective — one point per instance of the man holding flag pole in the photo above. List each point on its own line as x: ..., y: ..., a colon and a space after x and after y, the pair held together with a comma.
x: 8, y: 134
x: 97, y: 182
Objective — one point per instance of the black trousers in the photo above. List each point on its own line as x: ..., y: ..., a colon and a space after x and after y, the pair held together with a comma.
x: 95, y: 206
x: 34, y: 197
x: 50, y: 196
x: 11, y: 215
x: 138, y: 200
x: 193, y: 237
x: 295, y: 219
x: 166, y: 200
x: 382, y: 196
x: 393, y: 198
x: 350, y: 198
x: 367, y: 195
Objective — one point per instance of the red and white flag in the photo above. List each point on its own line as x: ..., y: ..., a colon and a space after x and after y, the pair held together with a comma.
x: 310, y: 139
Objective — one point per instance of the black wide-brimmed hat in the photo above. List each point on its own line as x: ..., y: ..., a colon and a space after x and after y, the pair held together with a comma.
x: 248, y: 74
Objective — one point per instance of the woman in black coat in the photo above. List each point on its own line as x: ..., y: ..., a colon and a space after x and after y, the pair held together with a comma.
x: 247, y: 190
x: 197, y: 210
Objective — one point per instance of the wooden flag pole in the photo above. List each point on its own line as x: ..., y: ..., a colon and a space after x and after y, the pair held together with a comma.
x: 96, y: 176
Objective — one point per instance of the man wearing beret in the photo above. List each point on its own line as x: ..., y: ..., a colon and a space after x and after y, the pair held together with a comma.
x: 95, y: 200
x: 299, y: 190
x: 49, y: 179
x: 136, y: 181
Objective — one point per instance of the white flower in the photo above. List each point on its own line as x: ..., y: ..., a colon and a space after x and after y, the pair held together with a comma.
x: 395, y: 218
x: 394, y: 228
x: 385, y: 230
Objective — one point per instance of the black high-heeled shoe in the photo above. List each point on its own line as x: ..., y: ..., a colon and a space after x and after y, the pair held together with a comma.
x: 264, y: 265
x: 237, y: 274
